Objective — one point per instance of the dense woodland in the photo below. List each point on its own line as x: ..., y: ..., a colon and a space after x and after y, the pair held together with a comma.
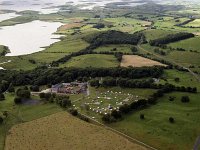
x: 45, y: 76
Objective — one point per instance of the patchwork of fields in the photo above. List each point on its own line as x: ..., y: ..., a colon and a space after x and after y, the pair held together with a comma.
x: 94, y: 43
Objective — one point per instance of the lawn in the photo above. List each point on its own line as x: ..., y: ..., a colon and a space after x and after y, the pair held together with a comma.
x: 19, y: 113
x: 61, y: 131
x: 92, y: 60
x: 156, y: 130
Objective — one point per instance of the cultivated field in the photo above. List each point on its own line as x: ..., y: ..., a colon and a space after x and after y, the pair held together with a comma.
x: 62, y: 131
x: 138, y: 61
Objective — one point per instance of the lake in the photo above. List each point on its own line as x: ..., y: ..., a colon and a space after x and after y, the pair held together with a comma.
x: 7, y: 16
x: 29, y: 37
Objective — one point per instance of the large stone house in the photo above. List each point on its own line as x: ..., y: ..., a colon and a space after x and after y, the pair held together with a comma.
x: 69, y: 88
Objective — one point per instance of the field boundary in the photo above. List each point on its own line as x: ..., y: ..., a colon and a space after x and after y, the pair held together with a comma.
x: 189, y: 70
x: 120, y: 133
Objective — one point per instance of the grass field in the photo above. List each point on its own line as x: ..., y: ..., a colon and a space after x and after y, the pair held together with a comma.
x: 138, y: 61
x: 156, y: 130
x: 92, y: 60
x: 22, y: 113
x: 127, y: 24
x: 185, y: 58
x: 186, y: 79
x: 195, y: 23
x: 61, y: 131
x: 189, y: 44
x: 100, y: 99
x: 114, y: 48
x: 156, y: 33
x: 16, y: 63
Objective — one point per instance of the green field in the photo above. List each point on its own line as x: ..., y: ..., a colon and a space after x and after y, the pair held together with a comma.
x: 100, y: 98
x: 114, y: 48
x: 185, y: 58
x: 22, y: 113
x: 189, y: 44
x: 92, y: 60
x: 156, y: 130
x: 156, y: 33
x: 185, y: 78
x: 195, y: 23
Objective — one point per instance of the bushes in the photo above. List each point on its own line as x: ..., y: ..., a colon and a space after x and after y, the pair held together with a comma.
x: 171, y: 120
x: 11, y: 88
x: 63, y: 101
x: 35, y: 88
x: 2, y: 97
x: 185, y: 99
x: 17, y: 100
x: 116, y: 114
x: 119, y: 56
x: 142, y: 116
x: 99, y: 26
x: 107, y: 118
x: 1, y: 120
x: 23, y: 93
x: 73, y: 111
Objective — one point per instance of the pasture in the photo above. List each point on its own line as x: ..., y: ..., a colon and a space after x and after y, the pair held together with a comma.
x: 156, y: 129
x: 61, y: 131
x: 189, y: 44
x: 138, y: 61
x: 185, y: 78
x: 123, y: 48
x: 92, y: 60
x: 195, y: 23
x: 22, y: 113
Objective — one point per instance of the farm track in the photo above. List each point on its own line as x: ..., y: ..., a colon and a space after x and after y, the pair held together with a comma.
x: 189, y: 70
x: 120, y: 133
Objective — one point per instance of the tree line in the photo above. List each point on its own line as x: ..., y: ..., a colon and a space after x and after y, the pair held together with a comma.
x: 45, y: 76
x: 171, y: 38
x: 117, y: 115
x: 145, y: 83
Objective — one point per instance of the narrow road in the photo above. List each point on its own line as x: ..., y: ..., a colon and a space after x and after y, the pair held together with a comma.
x: 158, y: 56
x: 120, y: 133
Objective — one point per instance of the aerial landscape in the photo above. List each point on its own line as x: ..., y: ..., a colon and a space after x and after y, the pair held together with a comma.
x: 99, y: 75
